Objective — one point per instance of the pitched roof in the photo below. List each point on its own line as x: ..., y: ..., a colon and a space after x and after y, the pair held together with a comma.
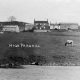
x: 13, y: 23
x: 40, y: 21
x: 68, y: 23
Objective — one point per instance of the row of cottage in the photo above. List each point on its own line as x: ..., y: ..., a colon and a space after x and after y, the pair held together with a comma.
x: 17, y: 26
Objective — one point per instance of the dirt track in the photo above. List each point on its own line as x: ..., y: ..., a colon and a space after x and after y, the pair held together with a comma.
x: 41, y: 73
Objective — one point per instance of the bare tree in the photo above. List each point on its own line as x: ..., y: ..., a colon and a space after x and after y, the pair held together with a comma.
x: 11, y: 18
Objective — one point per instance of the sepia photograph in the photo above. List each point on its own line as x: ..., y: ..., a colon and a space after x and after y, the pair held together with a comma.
x: 39, y: 39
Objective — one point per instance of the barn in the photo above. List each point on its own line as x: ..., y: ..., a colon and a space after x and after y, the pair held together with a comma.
x: 68, y: 26
x: 65, y: 26
x: 12, y: 26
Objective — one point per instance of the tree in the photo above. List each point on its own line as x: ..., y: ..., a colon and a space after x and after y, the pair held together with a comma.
x: 11, y: 18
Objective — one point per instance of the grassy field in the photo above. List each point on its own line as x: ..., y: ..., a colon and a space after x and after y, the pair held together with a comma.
x: 52, y: 50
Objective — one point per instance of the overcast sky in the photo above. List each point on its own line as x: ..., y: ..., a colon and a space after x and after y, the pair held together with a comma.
x: 54, y: 10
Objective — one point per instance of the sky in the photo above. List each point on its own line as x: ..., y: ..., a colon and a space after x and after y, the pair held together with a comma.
x: 54, y: 10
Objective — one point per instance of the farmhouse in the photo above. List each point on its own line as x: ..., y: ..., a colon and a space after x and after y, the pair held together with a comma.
x: 41, y: 25
x: 12, y: 26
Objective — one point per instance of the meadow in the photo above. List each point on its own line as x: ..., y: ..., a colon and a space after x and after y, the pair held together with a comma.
x: 51, y: 50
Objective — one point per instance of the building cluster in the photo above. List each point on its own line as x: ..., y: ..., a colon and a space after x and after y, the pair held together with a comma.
x: 43, y: 26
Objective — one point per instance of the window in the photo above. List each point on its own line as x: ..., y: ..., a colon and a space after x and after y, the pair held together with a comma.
x: 40, y: 27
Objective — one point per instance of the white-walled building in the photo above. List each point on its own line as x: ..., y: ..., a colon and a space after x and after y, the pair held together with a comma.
x: 12, y: 28
x: 54, y: 26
